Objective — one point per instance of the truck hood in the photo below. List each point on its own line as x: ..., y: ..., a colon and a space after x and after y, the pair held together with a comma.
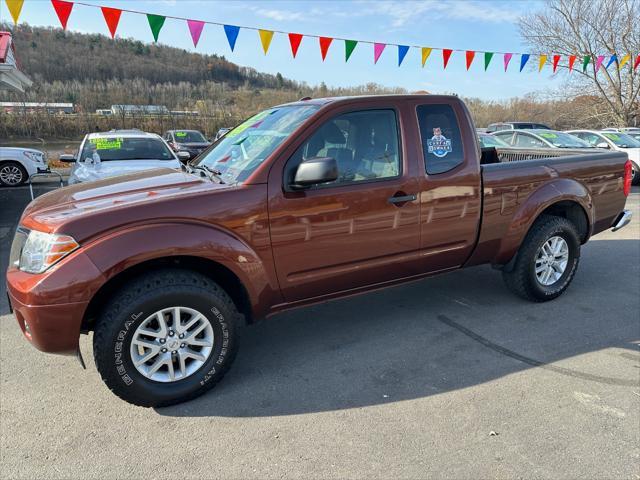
x: 111, y: 197
x: 86, y: 172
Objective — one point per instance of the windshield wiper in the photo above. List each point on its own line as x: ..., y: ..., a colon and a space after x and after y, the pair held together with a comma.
x: 211, y: 173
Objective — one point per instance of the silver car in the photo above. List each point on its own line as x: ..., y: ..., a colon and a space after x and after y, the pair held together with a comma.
x: 104, y: 155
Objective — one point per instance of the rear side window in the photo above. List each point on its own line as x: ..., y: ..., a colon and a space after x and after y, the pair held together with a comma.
x: 441, y: 140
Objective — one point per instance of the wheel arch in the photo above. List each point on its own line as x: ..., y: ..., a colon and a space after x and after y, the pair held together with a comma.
x: 214, y: 252
x: 563, y: 198
x: 216, y: 271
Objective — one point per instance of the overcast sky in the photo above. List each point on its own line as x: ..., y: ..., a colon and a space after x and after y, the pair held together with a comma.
x: 465, y: 25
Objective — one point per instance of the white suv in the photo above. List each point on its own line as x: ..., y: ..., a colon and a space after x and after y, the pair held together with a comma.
x: 18, y: 164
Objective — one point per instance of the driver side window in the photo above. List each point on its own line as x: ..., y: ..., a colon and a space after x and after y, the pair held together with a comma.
x: 527, y: 141
x: 364, y: 145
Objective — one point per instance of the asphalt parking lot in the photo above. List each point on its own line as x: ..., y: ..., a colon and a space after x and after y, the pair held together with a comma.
x: 449, y: 377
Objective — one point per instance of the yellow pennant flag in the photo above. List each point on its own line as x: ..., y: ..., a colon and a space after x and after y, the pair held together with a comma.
x: 543, y: 60
x: 15, y: 7
x: 624, y: 60
x: 265, y: 38
x: 425, y: 54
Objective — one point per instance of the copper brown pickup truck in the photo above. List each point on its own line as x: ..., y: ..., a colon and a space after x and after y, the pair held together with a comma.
x: 301, y: 203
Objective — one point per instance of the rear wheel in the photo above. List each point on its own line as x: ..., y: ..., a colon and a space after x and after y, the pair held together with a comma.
x: 547, y: 260
x: 166, y: 338
x: 12, y: 174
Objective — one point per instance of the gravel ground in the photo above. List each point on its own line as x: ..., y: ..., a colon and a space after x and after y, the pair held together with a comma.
x: 450, y: 377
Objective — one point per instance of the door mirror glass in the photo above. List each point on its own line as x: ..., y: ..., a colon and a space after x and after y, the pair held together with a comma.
x: 183, y: 155
x: 602, y: 145
x: 315, y: 170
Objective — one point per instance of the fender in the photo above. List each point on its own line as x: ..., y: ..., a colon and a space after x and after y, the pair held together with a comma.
x: 555, y: 191
x: 122, y: 249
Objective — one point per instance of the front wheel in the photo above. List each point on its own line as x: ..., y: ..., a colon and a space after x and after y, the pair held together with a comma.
x: 547, y: 260
x: 166, y: 338
x: 12, y: 174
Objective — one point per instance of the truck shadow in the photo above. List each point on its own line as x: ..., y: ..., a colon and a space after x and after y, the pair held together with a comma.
x: 429, y: 337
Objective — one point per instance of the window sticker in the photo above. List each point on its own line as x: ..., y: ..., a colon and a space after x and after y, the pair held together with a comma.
x: 107, y: 143
x: 548, y: 135
x: 612, y: 136
x: 252, y: 122
x: 439, y: 145
x: 181, y: 134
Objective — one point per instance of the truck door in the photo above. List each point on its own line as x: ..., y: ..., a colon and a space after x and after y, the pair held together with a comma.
x: 450, y: 184
x: 359, y: 230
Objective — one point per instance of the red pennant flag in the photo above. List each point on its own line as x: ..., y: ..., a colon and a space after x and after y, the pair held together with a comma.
x: 446, y: 55
x: 324, y: 46
x: 572, y: 59
x: 556, y: 59
x: 637, y: 62
x: 294, y: 40
x: 470, y: 55
x: 63, y: 9
x: 112, y: 17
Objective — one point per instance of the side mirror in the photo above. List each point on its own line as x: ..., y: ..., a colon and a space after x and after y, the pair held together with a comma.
x: 315, y: 170
x: 67, y: 158
x: 603, y: 145
x: 183, y: 156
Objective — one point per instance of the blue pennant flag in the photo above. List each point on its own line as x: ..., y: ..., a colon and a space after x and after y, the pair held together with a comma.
x: 232, y: 35
x: 611, y: 60
x: 524, y: 58
x: 402, y: 52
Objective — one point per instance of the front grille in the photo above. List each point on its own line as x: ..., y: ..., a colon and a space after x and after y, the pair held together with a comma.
x: 17, y: 245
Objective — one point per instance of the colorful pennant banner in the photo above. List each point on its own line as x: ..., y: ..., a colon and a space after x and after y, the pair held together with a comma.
x: 63, y: 9
x: 294, y: 40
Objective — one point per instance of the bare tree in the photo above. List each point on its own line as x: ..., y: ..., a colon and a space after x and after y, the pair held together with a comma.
x: 593, y: 27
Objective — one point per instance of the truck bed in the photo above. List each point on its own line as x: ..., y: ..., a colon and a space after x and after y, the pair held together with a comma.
x: 515, y: 183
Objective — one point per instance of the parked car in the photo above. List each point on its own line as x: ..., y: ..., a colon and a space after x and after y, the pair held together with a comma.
x: 540, y: 139
x: 487, y: 140
x: 104, y: 155
x: 191, y: 141
x: 620, y: 142
x: 18, y: 164
x: 301, y: 203
x: 496, y: 127
x: 633, y: 132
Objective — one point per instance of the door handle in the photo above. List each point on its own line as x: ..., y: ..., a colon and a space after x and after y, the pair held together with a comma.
x: 402, y: 199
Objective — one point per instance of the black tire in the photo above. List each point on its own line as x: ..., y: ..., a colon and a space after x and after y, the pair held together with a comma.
x: 522, y: 280
x: 138, y: 300
x: 11, y: 170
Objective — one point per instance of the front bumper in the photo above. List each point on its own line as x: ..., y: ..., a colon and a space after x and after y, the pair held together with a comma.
x: 622, y: 220
x: 50, y: 306
x: 50, y: 328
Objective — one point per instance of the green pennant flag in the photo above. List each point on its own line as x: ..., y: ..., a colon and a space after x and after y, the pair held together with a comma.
x: 585, y: 62
x: 349, y: 46
x: 155, y: 22
x: 487, y: 59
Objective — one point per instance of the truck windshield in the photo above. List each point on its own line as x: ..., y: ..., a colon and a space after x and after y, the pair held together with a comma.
x: 563, y: 140
x: 241, y: 151
x: 124, y: 148
x: 622, y: 140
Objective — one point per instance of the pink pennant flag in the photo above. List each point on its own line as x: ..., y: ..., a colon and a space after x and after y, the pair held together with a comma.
x: 599, y: 62
x: 507, y: 59
x: 195, y: 28
x: 378, y: 48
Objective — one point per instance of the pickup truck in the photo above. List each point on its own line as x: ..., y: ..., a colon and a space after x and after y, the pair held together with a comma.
x: 299, y: 204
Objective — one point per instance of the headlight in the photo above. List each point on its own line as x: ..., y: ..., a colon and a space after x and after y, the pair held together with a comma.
x: 42, y: 250
x: 34, y: 157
